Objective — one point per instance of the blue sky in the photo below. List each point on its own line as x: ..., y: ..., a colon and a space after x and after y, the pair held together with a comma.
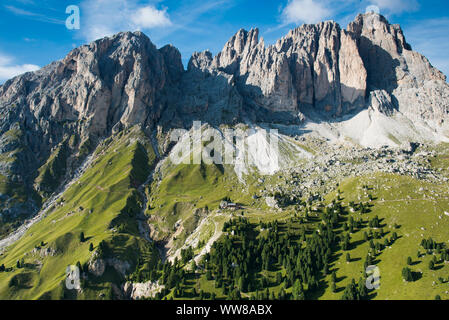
x: 34, y: 32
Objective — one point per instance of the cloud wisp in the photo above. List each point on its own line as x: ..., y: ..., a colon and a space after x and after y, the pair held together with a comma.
x: 104, y: 18
x: 33, y: 15
x: 396, y: 6
x: 8, y: 69
x: 304, y: 11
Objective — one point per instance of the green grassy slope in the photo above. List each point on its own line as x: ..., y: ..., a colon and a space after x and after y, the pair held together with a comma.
x: 52, y: 172
x: 105, y: 202
x: 400, y: 200
x: 400, y: 204
x: 102, y: 204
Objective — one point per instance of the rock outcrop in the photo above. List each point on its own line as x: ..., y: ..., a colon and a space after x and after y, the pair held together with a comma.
x: 136, y: 291
x: 314, y: 69
x: 417, y: 89
x: 98, y: 266
x: 97, y: 89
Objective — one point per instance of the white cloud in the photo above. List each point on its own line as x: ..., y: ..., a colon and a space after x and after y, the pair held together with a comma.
x: 102, y: 18
x: 9, y: 70
x: 396, y: 6
x: 305, y: 11
x: 149, y: 17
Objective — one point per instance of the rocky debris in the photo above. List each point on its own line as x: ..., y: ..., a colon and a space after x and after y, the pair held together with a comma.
x: 271, y: 202
x: 136, y: 291
x: 381, y: 101
x: 337, y: 162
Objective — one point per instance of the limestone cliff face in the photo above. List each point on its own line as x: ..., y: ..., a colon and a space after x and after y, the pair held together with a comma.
x: 416, y: 88
x: 113, y: 82
x: 97, y: 89
x: 325, y: 71
x: 315, y: 68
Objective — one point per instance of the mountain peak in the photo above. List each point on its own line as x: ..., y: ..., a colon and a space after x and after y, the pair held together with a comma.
x: 320, y: 72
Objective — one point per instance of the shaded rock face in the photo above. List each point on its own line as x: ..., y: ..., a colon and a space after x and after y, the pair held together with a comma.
x: 416, y: 89
x: 97, y: 89
x: 111, y: 82
x: 316, y: 71
x: 324, y: 71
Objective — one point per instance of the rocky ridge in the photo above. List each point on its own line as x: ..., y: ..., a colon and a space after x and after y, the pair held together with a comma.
x: 315, y: 73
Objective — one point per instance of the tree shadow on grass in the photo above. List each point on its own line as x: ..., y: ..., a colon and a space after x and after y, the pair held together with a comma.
x: 416, y: 276
x: 335, y: 257
x: 357, y: 243
x: 340, y: 289
x: 371, y: 296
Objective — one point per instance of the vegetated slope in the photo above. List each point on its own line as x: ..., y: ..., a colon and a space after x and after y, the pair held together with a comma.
x: 396, y: 212
x: 319, y: 78
x: 415, y: 210
x: 181, y: 196
x: 186, y: 196
x: 269, y: 275
x: 103, y: 205
x: 18, y: 200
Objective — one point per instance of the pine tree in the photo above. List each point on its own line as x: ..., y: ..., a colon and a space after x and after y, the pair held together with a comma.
x: 208, y: 275
x: 351, y: 292
x: 333, y: 287
x: 407, y: 275
x: 409, y: 261
x: 362, y: 289
x: 298, y: 291
x: 334, y: 276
